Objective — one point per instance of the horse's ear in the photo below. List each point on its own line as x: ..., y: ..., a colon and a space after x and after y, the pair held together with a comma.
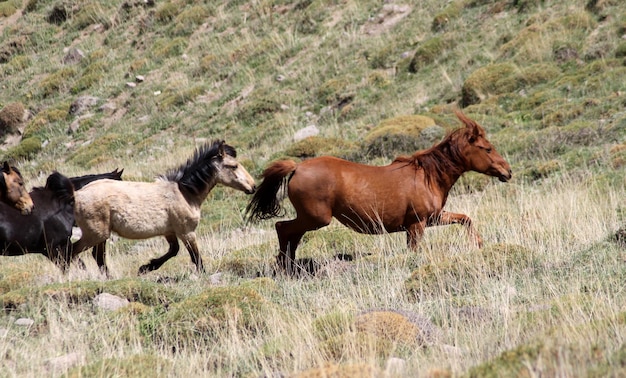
x: 221, y: 151
x: 470, y: 125
x: 3, y: 185
x: 6, y: 167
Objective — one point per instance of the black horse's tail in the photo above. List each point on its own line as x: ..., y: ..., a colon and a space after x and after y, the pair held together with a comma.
x: 81, y: 181
x: 61, y: 186
x: 265, y: 203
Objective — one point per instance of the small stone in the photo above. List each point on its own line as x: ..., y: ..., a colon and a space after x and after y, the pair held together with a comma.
x: 24, y: 322
x: 109, y: 302
x: 395, y: 367
x: 62, y: 363
x: 306, y: 132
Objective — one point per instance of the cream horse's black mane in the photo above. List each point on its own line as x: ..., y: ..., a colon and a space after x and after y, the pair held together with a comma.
x: 198, y: 171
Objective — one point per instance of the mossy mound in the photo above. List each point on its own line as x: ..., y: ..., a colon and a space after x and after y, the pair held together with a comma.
x: 382, y: 333
x: 391, y: 326
x: 451, y: 276
x: 428, y: 52
x: 27, y: 149
x: 511, y: 363
x: 83, y: 292
x: 10, y: 281
x: 332, y: 324
x: 200, y: 318
x: 138, y: 365
x: 401, y: 135
x: 320, y: 146
x: 489, y: 80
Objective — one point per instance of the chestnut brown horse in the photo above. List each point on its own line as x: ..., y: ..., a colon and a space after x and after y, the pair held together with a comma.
x: 407, y: 195
x: 13, y: 191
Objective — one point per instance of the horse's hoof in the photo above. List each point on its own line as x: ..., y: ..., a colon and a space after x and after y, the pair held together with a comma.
x: 144, y: 269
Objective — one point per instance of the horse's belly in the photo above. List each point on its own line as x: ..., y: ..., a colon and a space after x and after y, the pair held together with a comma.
x: 369, y: 223
x: 133, y: 226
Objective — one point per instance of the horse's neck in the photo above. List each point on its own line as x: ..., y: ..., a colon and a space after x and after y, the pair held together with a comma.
x: 196, y: 199
x: 444, y: 166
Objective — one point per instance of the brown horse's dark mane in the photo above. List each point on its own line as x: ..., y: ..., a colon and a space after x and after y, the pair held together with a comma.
x: 439, y: 161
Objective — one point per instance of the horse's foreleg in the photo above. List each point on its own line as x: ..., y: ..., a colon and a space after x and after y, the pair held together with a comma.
x: 194, y: 252
x: 156, y: 263
x: 414, y: 234
x: 446, y: 218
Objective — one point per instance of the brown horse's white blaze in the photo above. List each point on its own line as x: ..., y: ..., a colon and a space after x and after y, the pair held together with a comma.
x: 13, y: 191
x: 169, y: 206
x: 407, y: 195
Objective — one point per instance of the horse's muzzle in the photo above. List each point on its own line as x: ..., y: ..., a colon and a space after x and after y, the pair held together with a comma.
x: 505, y: 177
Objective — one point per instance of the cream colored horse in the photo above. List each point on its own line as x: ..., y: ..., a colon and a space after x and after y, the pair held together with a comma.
x: 170, y: 206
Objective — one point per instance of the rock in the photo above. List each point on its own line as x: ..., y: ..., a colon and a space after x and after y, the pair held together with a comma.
x: 24, y: 322
x: 306, y: 132
x: 62, y: 363
x: 109, y: 302
x: 82, y: 104
x: 216, y: 279
x: 73, y: 56
x: 395, y: 367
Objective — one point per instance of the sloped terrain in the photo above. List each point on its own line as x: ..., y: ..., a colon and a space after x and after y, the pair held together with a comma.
x: 89, y: 86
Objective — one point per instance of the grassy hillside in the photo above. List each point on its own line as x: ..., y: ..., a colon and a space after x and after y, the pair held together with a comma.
x: 89, y: 86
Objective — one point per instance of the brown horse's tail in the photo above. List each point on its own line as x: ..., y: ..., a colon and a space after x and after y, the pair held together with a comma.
x: 265, y: 203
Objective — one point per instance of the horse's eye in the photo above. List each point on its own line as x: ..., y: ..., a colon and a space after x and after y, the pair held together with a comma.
x: 489, y: 150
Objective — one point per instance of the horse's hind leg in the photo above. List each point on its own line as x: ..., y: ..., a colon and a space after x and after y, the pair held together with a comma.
x: 289, y: 235
x: 155, y: 264
x: 99, y: 254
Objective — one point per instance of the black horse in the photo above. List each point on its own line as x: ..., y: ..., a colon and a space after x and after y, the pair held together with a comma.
x: 48, y: 229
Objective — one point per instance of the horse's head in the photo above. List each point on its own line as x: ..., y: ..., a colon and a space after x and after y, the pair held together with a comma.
x: 479, y: 154
x: 13, y: 191
x: 230, y: 172
x: 61, y: 187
